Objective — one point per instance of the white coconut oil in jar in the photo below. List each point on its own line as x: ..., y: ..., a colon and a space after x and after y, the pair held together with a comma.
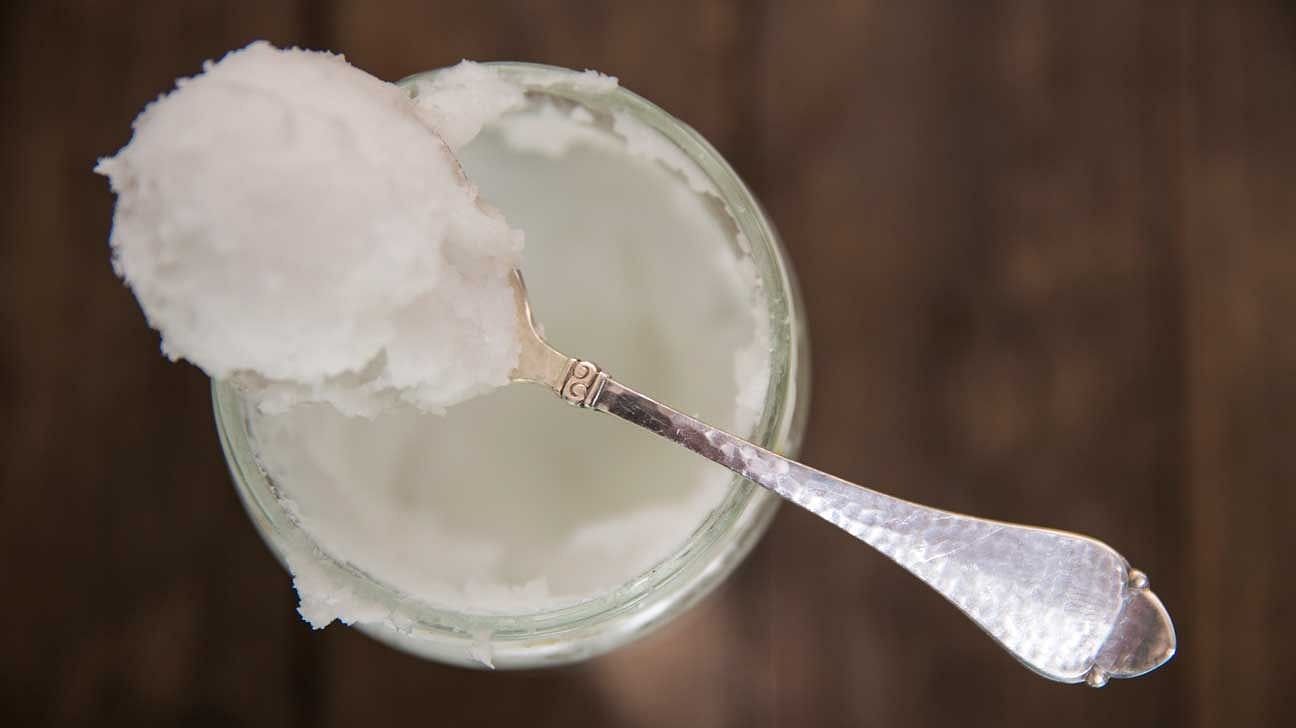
x: 513, y: 530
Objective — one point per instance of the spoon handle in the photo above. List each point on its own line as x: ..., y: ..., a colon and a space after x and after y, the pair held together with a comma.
x: 1067, y: 606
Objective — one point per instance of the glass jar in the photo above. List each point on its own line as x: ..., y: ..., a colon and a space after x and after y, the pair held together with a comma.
x: 588, y: 628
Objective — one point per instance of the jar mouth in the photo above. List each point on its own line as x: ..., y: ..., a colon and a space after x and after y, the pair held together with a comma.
x: 589, y: 626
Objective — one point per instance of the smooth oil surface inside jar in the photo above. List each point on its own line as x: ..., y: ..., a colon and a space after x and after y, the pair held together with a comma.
x: 514, y: 503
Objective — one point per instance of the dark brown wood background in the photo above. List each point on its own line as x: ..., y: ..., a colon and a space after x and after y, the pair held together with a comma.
x: 1049, y: 252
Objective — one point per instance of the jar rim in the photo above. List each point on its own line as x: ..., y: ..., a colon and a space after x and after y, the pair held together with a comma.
x: 591, y: 626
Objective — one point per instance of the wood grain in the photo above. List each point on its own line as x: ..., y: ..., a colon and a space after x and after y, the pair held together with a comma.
x: 1048, y: 254
x: 1239, y: 218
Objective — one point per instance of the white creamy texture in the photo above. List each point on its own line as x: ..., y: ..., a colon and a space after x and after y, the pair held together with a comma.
x: 297, y: 224
x: 512, y: 502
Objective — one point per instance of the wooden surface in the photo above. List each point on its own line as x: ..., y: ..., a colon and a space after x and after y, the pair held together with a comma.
x: 1050, y: 252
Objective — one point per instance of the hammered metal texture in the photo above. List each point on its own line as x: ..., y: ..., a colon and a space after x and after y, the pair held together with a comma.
x: 1051, y: 598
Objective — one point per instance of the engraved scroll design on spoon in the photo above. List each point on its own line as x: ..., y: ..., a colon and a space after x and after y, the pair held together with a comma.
x: 583, y: 383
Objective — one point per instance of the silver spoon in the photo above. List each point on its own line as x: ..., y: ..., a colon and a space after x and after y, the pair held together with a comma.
x: 1067, y: 606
